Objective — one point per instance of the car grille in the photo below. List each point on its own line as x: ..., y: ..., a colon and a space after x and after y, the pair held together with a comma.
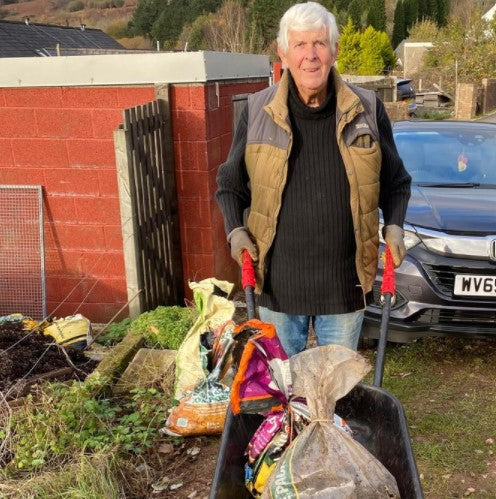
x: 454, y: 317
x: 443, y: 276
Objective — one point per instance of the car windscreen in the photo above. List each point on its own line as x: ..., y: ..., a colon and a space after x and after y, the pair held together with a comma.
x: 464, y: 156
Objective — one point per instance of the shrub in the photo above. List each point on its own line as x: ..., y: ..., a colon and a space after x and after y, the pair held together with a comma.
x: 105, y: 4
x: 117, y: 29
x: 75, y: 6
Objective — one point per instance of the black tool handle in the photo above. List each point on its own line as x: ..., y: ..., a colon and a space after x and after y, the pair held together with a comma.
x: 387, y: 294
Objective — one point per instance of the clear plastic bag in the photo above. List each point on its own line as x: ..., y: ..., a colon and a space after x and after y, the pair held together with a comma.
x: 323, y: 461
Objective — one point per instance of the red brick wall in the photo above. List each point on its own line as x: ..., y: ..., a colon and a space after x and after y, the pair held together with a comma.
x: 201, y: 128
x: 61, y: 138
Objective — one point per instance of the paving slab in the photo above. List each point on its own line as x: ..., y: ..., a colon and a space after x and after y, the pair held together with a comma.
x: 149, y: 368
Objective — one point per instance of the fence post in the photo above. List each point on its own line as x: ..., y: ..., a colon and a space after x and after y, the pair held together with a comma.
x: 128, y: 222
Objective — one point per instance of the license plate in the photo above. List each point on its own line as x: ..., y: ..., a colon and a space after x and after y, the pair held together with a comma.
x: 475, y: 285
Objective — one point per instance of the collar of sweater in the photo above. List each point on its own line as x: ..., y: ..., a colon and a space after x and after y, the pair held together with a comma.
x: 299, y: 109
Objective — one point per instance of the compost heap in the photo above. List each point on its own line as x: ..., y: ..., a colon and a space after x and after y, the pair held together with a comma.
x: 302, y: 449
x: 26, y: 356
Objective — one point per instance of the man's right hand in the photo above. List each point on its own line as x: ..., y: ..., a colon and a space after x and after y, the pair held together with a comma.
x: 240, y: 240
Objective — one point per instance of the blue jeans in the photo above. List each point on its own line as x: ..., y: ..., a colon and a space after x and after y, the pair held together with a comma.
x: 292, y: 330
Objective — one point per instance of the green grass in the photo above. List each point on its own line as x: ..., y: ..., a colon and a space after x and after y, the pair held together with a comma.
x: 447, y: 387
x: 427, y: 113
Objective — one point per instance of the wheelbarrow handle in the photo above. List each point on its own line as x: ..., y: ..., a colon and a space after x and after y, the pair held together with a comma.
x: 388, y: 290
x: 248, y: 281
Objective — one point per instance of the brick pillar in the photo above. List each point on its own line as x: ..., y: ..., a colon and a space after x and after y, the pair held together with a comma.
x: 466, y: 101
x: 202, y: 135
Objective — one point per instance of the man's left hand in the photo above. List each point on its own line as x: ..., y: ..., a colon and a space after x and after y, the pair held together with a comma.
x: 393, y: 235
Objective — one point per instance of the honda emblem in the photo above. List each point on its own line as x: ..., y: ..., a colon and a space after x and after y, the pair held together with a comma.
x: 492, y: 250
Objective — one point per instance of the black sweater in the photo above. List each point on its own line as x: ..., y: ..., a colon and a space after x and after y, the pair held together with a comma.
x: 311, y: 265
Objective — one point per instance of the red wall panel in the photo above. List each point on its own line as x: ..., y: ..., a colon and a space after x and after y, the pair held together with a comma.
x: 62, y: 139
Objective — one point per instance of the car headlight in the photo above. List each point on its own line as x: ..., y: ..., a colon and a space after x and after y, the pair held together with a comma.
x: 410, y: 237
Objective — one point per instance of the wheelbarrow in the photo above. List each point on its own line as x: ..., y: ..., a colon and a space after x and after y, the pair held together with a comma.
x: 375, y: 416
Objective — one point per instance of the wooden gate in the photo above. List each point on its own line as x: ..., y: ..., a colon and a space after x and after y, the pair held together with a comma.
x: 148, y: 200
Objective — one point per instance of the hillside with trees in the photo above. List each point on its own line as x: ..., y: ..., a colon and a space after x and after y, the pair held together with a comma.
x: 370, y: 29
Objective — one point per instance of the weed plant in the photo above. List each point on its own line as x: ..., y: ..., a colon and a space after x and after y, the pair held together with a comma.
x: 61, y: 422
x: 164, y: 327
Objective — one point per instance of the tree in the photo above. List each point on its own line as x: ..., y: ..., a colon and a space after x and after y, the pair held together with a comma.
x: 169, y: 24
x: 349, y: 49
x: 399, y: 28
x: 144, y: 16
x: 355, y: 12
x: 411, y: 13
x: 443, y: 8
x: 423, y: 31
x: 265, y: 14
x: 192, y: 35
x: 175, y: 14
x: 433, y: 9
x: 423, y: 9
x: 463, y: 53
x: 387, y: 52
x: 225, y: 29
x: 371, y: 62
x: 376, y: 16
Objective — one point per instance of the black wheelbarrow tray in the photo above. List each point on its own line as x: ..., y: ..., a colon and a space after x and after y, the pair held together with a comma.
x: 378, y: 423
x: 375, y: 416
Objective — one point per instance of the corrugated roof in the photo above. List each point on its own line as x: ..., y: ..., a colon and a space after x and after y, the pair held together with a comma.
x: 24, y: 39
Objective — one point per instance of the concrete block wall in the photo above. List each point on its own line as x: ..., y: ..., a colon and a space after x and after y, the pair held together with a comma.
x: 61, y: 138
x: 202, y: 135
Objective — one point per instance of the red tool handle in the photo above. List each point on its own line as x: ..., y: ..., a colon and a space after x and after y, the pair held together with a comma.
x: 388, y: 281
x: 248, y: 282
x: 247, y: 271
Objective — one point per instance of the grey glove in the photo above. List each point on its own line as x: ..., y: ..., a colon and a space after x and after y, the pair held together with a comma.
x: 393, y: 235
x: 240, y: 240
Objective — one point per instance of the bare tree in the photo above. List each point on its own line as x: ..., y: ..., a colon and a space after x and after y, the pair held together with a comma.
x: 225, y: 29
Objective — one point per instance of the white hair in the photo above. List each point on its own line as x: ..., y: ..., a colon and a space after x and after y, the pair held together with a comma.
x: 308, y: 16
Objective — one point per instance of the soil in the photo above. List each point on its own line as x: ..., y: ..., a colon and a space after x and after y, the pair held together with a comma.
x: 29, y: 356
x: 185, y: 466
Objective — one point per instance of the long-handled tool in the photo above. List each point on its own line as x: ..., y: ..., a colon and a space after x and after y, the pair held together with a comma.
x: 387, y: 299
x: 248, y: 282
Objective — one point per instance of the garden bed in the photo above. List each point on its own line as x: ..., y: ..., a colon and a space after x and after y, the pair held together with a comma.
x: 27, y: 358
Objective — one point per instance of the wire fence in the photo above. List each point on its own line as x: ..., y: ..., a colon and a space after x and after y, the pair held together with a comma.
x: 22, y: 258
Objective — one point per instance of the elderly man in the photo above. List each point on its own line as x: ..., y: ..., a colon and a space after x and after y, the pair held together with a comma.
x: 313, y: 159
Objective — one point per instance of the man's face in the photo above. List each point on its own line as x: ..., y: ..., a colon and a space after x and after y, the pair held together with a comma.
x: 309, y: 59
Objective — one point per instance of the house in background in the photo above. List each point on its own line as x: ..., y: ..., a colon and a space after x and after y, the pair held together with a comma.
x: 410, y: 56
x: 24, y: 39
x: 489, y: 15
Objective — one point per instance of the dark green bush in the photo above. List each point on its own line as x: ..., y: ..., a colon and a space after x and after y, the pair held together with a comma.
x: 75, y: 6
